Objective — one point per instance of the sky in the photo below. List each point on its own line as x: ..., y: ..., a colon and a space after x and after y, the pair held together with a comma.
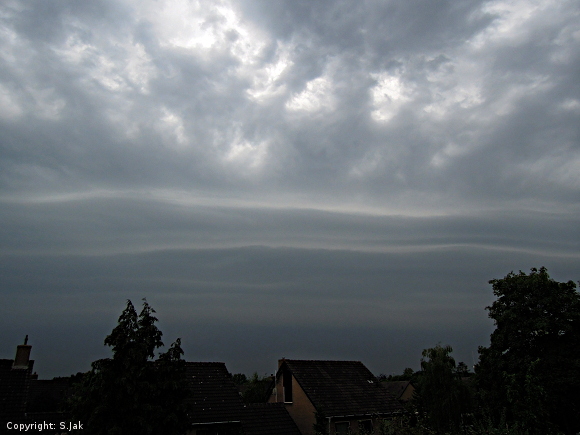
x: 282, y: 178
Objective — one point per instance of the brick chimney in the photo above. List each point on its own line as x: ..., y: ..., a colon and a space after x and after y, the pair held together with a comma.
x: 22, y: 355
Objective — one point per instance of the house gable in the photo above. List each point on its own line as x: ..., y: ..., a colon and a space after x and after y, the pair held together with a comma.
x: 300, y: 407
x: 339, y: 391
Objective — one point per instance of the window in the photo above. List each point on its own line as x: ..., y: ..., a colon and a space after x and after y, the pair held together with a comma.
x: 341, y: 428
x: 287, y: 382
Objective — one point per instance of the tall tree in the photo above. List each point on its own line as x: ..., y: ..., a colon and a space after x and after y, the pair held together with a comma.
x: 440, y: 394
x: 529, y: 374
x: 131, y: 393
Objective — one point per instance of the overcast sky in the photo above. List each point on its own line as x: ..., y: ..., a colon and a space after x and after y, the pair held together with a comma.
x: 282, y: 178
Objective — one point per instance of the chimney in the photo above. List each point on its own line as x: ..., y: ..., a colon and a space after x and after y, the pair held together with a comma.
x: 22, y: 355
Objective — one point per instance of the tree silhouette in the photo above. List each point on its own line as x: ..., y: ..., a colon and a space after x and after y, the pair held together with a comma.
x: 131, y: 393
x: 529, y: 373
x: 441, y: 396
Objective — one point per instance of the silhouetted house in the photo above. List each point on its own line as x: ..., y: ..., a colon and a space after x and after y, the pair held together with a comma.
x: 401, y: 390
x: 25, y: 399
x: 344, y: 396
x: 217, y: 407
x: 15, y: 376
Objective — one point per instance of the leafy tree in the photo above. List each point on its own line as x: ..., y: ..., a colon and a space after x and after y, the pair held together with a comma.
x: 441, y: 396
x: 529, y: 373
x: 130, y: 393
x: 408, y: 375
x: 462, y: 369
x: 239, y: 379
x: 256, y: 389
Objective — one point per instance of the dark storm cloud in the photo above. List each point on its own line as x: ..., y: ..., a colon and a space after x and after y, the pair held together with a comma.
x: 330, y: 172
x: 249, y: 306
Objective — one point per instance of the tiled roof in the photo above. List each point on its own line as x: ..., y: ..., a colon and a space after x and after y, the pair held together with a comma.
x: 341, y: 388
x: 268, y: 419
x: 214, y: 397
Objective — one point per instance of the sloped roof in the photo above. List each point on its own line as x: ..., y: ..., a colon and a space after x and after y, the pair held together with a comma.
x: 341, y: 388
x: 214, y: 397
x: 268, y: 419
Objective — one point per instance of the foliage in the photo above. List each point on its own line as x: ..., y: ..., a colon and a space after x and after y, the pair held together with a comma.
x: 256, y: 389
x: 130, y: 393
x: 486, y: 426
x: 408, y: 375
x: 529, y: 373
x: 320, y: 425
x: 461, y: 369
x: 441, y: 396
x: 239, y: 379
x: 404, y: 425
x: 401, y: 425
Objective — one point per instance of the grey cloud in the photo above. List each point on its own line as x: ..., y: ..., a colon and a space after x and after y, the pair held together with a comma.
x: 99, y: 226
x: 129, y: 138
x: 230, y: 304
x: 387, y: 27
x: 269, y: 165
